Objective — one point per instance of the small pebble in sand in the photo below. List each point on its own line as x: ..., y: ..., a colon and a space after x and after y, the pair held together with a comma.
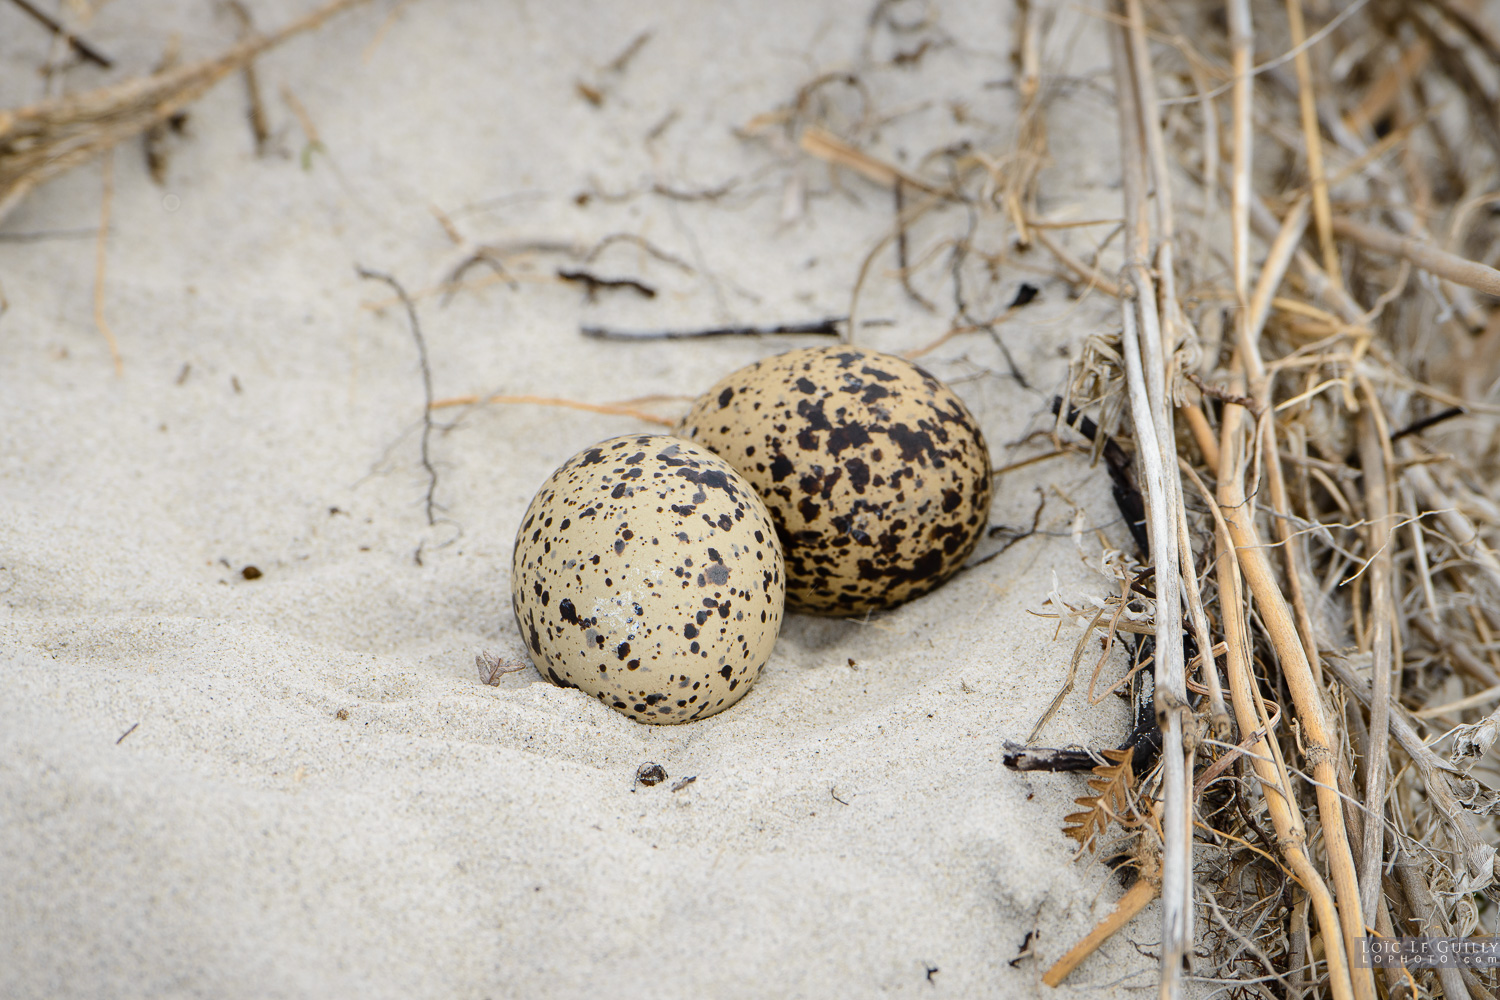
x: 650, y: 773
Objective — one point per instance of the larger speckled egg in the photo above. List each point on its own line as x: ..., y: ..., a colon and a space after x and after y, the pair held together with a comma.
x: 646, y: 574
x: 877, y: 476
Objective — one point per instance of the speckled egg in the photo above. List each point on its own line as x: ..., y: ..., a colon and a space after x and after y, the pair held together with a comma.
x: 875, y: 473
x: 647, y: 574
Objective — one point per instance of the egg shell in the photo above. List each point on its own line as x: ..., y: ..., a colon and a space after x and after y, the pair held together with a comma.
x: 646, y: 573
x: 875, y: 473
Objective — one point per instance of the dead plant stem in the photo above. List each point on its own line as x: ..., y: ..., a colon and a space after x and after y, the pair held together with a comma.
x: 1381, y: 525
x: 1313, y: 140
x: 1276, y: 785
x: 1254, y: 563
x: 1150, y: 411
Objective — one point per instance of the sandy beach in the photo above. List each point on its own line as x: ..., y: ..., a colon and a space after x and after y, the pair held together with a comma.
x: 244, y: 747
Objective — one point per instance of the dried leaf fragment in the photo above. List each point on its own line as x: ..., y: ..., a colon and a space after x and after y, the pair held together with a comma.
x: 1111, y: 785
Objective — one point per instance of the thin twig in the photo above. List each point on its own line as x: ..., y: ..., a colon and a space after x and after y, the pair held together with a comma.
x: 1252, y: 557
x: 1151, y: 416
x: 1133, y: 902
x: 77, y: 44
x: 612, y: 409
x: 823, y: 327
x: 1313, y: 140
x: 1265, y: 758
x: 1372, y: 454
x: 416, y: 333
x: 42, y: 140
x: 260, y: 126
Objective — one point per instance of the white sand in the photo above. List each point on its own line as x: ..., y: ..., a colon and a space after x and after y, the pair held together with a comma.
x: 316, y: 796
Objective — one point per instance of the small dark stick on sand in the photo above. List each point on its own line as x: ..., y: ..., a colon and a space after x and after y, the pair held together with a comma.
x: 593, y: 284
x: 416, y: 333
x: 823, y: 327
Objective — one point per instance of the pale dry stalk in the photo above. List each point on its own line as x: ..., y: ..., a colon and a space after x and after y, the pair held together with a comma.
x: 1255, y: 564
x: 1151, y: 415
x: 1133, y: 902
x: 1160, y: 364
x: 1465, y: 536
x: 1477, y: 856
x: 1294, y: 551
x: 1313, y: 137
x: 1421, y: 253
x: 612, y: 409
x: 42, y: 140
x: 1308, y: 699
x: 1429, y: 917
x: 1380, y: 536
x: 1281, y: 804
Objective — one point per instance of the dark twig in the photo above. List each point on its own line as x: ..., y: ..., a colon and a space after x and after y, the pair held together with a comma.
x: 823, y: 327
x: 619, y: 63
x: 903, y: 263
x: 1416, y: 427
x: 127, y: 733
x: 416, y: 332
x: 260, y: 127
x: 593, y: 283
x: 960, y: 253
x: 1223, y: 395
x: 78, y: 45
x: 1144, y: 737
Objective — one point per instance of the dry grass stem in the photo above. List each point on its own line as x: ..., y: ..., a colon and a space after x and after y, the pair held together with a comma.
x: 1133, y: 902
x: 1421, y: 253
x: 612, y: 409
x: 1145, y: 363
x: 42, y: 140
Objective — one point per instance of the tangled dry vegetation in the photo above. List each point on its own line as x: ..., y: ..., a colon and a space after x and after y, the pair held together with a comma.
x: 1312, y: 411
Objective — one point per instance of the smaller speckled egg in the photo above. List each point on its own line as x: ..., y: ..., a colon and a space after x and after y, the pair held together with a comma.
x: 647, y: 574
x: 876, y: 474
